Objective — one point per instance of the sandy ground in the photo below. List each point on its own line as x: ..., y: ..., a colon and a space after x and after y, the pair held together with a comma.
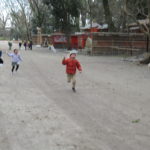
x: 38, y: 110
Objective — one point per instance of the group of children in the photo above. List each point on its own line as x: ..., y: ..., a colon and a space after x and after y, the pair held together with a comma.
x: 72, y: 64
x: 26, y: 44
x: 21, y: 43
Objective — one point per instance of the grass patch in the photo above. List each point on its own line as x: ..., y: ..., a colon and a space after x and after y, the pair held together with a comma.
x: 3, y: 38
x: 136, y: 121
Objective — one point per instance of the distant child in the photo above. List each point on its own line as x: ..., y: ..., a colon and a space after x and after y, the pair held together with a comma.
x: 72, y: 64
x: 25, y: 45
x: 49, y: 46
x: 20, y: 44
x: 10, y: 45
x: 30, y: 44
x: 52, y: 48
x: 16, y: 59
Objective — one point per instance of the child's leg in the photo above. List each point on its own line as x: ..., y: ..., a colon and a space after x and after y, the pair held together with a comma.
x: 13, y: 67
x: 69, y: 76
x: 73, y: 81
x: 17, y: 67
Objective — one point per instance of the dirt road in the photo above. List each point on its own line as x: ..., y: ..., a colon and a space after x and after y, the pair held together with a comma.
x: 38, y: 110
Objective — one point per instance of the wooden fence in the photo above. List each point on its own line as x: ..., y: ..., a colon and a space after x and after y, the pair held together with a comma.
x: 119, y: 44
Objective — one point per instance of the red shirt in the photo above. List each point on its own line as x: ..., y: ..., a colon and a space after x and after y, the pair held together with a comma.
x: 71, y: 65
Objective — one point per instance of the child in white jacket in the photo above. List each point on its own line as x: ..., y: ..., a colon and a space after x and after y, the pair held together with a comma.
x: 16, y: 59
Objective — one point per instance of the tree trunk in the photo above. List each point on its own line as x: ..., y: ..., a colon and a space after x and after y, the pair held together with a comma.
x: 77, y: 24
x: 148, y: 3
x: 83, y: 18
x: 108, y: 16
x: 90, y: 12
x: 148, y: 37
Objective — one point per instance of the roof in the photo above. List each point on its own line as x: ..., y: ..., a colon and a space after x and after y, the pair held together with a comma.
x: 141, y: 22
x: 145, y: 21
x: 134, y: 28
x: 95, y: 25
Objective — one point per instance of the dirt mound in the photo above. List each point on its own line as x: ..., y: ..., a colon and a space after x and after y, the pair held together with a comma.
x: 146, y: 58
x: 142, y: 59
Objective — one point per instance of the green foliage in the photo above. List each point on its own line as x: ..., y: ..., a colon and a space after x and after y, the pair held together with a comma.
x: 65, y: 12
x: 18, y: 28
x: 40, y: 16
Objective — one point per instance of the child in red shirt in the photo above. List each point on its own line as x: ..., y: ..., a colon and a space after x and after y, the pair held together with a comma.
x: 72, y: 64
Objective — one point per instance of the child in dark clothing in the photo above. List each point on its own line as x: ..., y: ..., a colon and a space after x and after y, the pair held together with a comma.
x: 1, y: 60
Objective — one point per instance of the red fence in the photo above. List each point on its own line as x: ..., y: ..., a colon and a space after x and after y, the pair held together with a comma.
x: 119, y: 43
x: 103, y: 43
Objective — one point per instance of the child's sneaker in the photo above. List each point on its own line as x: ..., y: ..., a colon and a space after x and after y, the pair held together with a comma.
x: 73, y: 89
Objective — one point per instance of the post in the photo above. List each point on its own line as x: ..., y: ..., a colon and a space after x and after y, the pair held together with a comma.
x: 147, y: 41
x: 39, y: 37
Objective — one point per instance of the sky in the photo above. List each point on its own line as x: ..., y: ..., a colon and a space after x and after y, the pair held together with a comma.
x: 2, y: 6
x: 4, y: 10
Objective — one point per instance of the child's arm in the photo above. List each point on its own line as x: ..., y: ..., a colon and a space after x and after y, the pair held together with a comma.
x: 64, y: 61
x: 9, y: 54
x: 20, y: 58
x: 79, y: 66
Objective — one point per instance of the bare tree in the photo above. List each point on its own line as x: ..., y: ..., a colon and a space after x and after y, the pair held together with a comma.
x: 41, y: 15
x: 20, y: 17
x: 140, y: 14
x: 24, y: 7
x: 137, y: 13
x: 3, y: 24
x: 3, y: 21
x: 38, y: 10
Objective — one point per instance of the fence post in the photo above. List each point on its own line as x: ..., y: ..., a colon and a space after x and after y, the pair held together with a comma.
x: 147, y: 41
x: 132, y: 48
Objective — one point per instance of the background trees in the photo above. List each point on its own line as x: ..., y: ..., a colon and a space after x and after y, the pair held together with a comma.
x: 41, y: 16
x: 20, y: 17
x: 3, y: 23
x: 69, y: 15
x: 65, y: 13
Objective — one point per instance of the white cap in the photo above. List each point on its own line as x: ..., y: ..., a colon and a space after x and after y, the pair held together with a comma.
x: 73, y: 52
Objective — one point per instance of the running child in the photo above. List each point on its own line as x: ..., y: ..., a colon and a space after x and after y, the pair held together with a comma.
x: 72, y: 64
x: 16, y: 59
